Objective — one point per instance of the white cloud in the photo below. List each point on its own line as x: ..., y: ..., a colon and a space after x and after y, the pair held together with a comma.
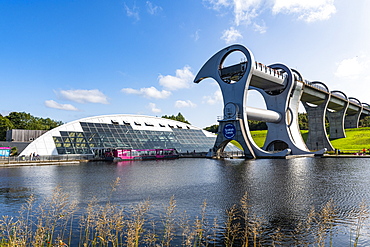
x: 216, y: 98
x: 245, y: 12
x: 84, y: 96
x: 196, y: 36
x: 217, y: 4
x: 231, y: 35
x: 351, y: 67
x: 150, y: 92
x: 260, y: 28
x: 153, y: 9
x: 352, y: 75
x: 308, y: 10
x: 132, y: 12
x: 66, y: 107
x: 183, y: 79
x: 154, y: 108
x: 184, y: 103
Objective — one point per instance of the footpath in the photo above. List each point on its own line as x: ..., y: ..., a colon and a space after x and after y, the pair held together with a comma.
x: 4, y: 163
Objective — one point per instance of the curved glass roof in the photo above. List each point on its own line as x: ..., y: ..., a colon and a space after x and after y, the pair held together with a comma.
x: 89, y: 135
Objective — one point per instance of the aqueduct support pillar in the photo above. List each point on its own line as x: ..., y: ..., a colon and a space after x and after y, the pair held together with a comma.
x: 351, y: 121
x: 352, y: 118
x: 336, y: 119
x: 317, y: 136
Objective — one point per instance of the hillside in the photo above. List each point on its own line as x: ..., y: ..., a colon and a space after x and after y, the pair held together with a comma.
x: 356, y: 139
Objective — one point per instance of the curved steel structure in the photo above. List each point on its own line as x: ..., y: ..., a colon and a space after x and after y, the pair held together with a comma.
x: 282, y: 89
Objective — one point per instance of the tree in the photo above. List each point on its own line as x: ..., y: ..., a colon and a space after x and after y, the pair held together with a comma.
x: 5, y: 124
x: 179, y: 118
x: 49, y: 124
x: 13, y: 151
x: 257, y: 125
x: 365, y: 122
x: 22, y: 120
x: 212, y: 128
x: 303, y: 121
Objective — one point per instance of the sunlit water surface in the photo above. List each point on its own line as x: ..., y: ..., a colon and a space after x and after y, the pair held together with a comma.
x: 281, y: 191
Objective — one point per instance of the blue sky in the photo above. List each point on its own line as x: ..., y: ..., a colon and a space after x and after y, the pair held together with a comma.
x: 72, y: 59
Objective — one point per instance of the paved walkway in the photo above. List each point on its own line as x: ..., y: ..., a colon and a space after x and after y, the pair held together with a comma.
x: 4, y: 163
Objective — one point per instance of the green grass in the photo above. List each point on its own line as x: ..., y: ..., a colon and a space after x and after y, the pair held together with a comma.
x: 259, y: 137
x: 356, y: 139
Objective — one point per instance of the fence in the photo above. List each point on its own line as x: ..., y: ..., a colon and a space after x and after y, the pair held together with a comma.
x: 46, y: 158
x: 232, y: 154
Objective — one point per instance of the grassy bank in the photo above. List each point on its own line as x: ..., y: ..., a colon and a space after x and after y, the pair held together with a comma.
x: 356, y: 139
x: 54, y: 223
x: 259, y: 136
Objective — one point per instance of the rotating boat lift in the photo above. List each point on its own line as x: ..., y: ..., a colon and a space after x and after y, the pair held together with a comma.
x: 282, y: 89
x: 282, y: 93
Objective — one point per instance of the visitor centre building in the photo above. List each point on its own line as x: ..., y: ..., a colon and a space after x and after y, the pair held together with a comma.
x: 95, y: 135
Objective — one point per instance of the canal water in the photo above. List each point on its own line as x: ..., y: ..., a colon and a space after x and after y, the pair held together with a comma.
x: 281, y: 192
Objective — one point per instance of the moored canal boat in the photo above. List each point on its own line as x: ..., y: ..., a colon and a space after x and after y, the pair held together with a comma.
x: 141, y: 154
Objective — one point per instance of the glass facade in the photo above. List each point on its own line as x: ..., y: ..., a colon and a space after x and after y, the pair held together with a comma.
x: 102, y: 135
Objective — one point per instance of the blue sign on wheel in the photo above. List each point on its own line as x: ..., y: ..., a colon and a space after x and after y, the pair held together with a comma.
x: 4, y: 151
x: 229, y: 131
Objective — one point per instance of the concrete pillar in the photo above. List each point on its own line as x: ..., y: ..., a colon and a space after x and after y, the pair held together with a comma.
x: 351, y: 121
x: 336, y: 118
x: 352, y: 118
x: 317, y: 136
x: 336, y: 121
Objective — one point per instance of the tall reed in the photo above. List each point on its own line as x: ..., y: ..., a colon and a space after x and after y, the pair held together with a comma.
x: 360, y: 216
x: 54, y: 222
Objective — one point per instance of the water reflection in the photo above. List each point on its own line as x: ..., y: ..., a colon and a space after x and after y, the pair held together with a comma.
x: 282, y: 191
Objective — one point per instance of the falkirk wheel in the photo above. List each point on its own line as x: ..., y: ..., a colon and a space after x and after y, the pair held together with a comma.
x: 281, y: 92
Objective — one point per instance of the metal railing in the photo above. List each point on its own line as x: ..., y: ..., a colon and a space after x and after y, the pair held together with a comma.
x: 232, y: 154
x: 351, y: 152
x: 268, y: 70
x: 316, y: 85
x: 46, y: 158
x: 236, y: 116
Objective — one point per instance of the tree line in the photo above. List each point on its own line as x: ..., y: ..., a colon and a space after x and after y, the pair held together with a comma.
x: 302, y: 122
x: 23, y: 120
x: 259, y: 125
x: 179, y: 117
x: 253, y: 125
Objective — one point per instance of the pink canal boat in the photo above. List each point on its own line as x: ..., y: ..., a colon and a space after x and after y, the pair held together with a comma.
x: 140, y: 154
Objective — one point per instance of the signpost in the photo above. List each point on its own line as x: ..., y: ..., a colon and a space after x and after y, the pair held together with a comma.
x: 4, y: 151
